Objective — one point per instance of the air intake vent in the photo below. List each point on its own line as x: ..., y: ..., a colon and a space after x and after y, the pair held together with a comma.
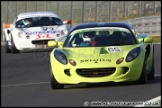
x: 95, y: 72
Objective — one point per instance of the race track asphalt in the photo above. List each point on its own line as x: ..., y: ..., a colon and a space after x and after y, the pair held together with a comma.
x: 25, y: 82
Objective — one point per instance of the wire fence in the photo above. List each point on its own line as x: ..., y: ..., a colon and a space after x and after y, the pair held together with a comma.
x: 82, y: 11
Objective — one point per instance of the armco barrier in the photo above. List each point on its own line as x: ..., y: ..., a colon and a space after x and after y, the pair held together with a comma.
x: 150, y: 25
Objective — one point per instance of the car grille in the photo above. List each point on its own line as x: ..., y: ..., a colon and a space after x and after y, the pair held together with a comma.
x: 95, y: 72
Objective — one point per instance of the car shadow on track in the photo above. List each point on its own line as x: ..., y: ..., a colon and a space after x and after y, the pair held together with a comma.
x: 111, y: 84
x: 33, y: 51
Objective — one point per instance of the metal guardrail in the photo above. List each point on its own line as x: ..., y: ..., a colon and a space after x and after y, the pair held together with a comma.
x: 150, y: 25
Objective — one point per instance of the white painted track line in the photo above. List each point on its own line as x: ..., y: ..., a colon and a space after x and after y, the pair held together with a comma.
x: 11, y: 85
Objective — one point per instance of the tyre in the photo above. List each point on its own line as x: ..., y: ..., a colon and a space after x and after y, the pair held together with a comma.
x: 143, y: 77
x: 7, y: 49
x: 13, y: 48
x: 54, y: 83
x: 151, y: 75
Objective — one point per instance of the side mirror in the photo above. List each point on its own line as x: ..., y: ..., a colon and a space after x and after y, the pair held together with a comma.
x: 67, y: 22
x: 140, y: 40
x: 142, y: 35
x: 146, y: 40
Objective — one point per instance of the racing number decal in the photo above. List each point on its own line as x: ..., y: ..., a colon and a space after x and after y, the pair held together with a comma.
x: 47, y: 36
x: 113, y: 49
x: 38, y: 37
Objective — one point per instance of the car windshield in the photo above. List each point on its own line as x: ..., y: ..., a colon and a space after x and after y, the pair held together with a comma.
x: 38, y: 21
x: 98, y: 37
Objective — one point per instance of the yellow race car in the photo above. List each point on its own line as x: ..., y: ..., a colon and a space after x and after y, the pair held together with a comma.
x: 101, y: 52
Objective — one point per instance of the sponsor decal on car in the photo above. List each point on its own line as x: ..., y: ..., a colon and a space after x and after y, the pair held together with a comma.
x: 42, y: 32
x: 95, y: 60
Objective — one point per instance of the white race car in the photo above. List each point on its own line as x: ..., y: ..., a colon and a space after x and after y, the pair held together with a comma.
x: 32, y: 30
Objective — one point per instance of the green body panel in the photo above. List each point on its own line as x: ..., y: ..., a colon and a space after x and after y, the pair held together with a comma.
x: 99, y: 57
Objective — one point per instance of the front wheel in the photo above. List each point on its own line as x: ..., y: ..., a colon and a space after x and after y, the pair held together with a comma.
x: 151, y: 75
x: 143, y: 77
x: 7, y: 49
x: 13, y: 47
x: 54, y: 83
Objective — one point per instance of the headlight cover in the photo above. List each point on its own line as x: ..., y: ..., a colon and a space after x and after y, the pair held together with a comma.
x: 133, y: 54
x: 20, y: 34
x: 64, y: 32
x: 60, y: 56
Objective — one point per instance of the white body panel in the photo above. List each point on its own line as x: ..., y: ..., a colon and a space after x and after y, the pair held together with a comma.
x: 36, y: 33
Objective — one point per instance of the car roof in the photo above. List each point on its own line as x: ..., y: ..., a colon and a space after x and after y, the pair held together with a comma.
x: 36, y: 14
x: 102, y: 24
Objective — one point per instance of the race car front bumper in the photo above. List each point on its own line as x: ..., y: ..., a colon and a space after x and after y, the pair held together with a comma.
x: 95, y: 73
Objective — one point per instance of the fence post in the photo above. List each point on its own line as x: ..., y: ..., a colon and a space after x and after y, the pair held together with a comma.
x: 71, y: 17
x: 8, y: 11
x: 82, y: 11
x: 139, y: 7
x: 58, y: 8
x: 154, y: 7
x: 16, y: 9
x: 124, y: 9
x: 46, y: 5
x: 109, y: 10
x: 26, y: 6
x: 36, y: 5
x: 96, y: 12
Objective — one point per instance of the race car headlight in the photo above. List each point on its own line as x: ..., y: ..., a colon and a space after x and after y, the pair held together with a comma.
x: 60, y: 56
x: 20, y: 34
x: 133, y: 54
x: 64, y: 32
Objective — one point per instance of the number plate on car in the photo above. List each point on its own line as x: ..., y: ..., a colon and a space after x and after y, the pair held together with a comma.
x: 41, y: 46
